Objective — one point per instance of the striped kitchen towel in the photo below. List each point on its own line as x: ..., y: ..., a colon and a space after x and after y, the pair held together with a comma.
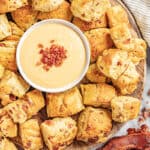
x: 141, y: 11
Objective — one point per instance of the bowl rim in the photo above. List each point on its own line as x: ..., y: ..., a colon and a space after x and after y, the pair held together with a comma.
x: 87, y: 52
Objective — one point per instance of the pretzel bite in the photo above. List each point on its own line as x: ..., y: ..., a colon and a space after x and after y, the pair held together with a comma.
x: 128, y: 81
x: 94, y: 75
x: 6, y: 144
x: 7, y: 127
x: 15, y: 29
x: 58, y: 132
x: 98, y: 94
x: 24, y: 17
x: 16, y: 34
x: 30, y: 135
x: 117, y: 15
x: 64, y: 104
x: 94, y: 125
x: 121, y: 32
x: 7, y: 98
x: 135, y: 47
x: 36, y: 102
x: 46, y: 5
x: 7, y: 57
x: 62, y: 12
x: 11, y: 5
x: 99, y: 41
x: 5, y: 28
x: 13, y: 38
x: 11, y: 86
x: 125, y: 108
x: 138, y: 53
x: 113, y: 63
x: 25, y: 108
x: 9, y: 43
x: 86, y: 26
x: 8, y: 47
x: 17, y: 110
x: 89, y: 10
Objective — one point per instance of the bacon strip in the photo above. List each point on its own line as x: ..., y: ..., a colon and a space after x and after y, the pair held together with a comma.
x: 133, y: 141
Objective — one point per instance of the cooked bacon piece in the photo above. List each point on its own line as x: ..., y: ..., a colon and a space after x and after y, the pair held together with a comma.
x: 136, y: 140
x: 139, y: 141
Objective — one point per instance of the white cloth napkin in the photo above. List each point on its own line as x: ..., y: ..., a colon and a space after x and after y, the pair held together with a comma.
x: 141, y: 11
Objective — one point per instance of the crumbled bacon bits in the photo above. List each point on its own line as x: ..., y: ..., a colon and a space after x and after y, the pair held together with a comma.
x: 51, y: 56
x: 2, y: 44
x: 127, y: 41
x: 145, y: 113
x: 143, y: 129
x: 12, y: 97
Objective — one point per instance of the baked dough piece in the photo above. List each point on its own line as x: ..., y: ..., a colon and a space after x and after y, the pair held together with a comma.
x: 62, y: 12
x: 121, y: 32
x: 94, y: 75
x: 5, y: 28
x: 7, y: 98
x: 138, y: 52
x: 7, y: 57
x: 9, y: 44
x: 30, y: 135
x: 25, y: 108
x: 128, y: 81
x: 135, y: 47
x: 17, y: 110
x: 13, y: 38
x: 98, y: 94
x: 7, y: 127
x: 86, y: 26
x: 94, y: 125
x: 88, y: 10
x: 125, y: 108
x: 113, y: 63
x: 99, y: 41
x: 46, y: 5
x: 64, y: 104
x: 15, y: 29
x: 121, y: 35
x: 58, y: 132
x: 16, y: 34
x: 11, y: 5
x: 6, y: 144
x: 11, y: 85
x: 117, y: 15
x: 8, y: 52
x: 24, y: 17
x: 36, y: 102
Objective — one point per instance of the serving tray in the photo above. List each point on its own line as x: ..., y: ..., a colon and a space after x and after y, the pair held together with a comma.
x: 141, y: 68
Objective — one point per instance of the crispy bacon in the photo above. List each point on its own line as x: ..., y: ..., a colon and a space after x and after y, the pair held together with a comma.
x: 135, y: 140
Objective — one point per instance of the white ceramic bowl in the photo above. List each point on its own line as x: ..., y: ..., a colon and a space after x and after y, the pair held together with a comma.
x: 73, y: 83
